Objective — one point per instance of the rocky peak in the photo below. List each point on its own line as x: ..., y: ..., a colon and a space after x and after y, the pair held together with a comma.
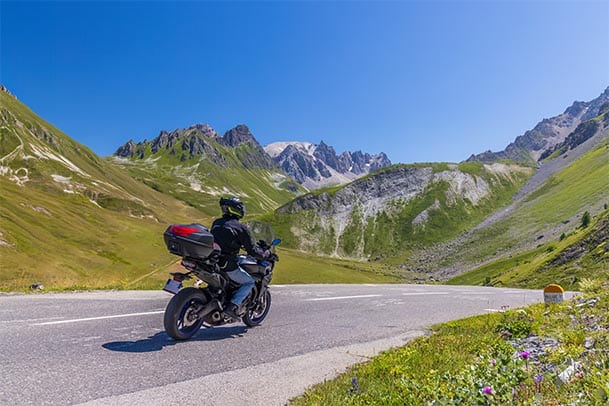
x: 204, y: 129
x: 379, y: 161
x: 547, y: 134
x: 165, y: 140
x: 252, y: 157
x: 126, y: 150
x: 241, y: 134
x: 327, y: 154
x: 576, y: 108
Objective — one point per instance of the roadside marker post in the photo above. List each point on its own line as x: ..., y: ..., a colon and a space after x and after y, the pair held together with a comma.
x: 552, y: 294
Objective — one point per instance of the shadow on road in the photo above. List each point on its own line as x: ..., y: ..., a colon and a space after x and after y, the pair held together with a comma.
x: 161, y: 339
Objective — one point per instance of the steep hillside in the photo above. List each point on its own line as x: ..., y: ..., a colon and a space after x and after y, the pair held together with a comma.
x: 534, y: 241
x: 579, y: 255
x: 69, y: 218
x: 544, y: 138
x: 197, y: 166
x: 397, y: 209
x: 317, y: 166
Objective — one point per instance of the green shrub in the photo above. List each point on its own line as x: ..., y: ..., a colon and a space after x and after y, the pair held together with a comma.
x: 517, y: 324
x: 589, y: 285
x: 586, y: 218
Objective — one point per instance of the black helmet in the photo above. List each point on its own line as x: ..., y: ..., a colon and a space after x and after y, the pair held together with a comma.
x: 233, y: 207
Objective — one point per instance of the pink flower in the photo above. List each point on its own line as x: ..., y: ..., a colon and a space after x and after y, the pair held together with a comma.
x: 487, y: 390
x: 524, y: 354
x: 493, y: 362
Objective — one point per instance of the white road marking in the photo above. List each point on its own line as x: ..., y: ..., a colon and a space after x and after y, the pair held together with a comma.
x: 424, y: 293
x: 98, y: 318
x: 29, y: 320
x: 340, y: 297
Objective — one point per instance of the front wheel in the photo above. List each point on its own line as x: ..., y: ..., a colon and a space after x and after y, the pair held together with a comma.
x: 254, y: 316
x: 181, y: 315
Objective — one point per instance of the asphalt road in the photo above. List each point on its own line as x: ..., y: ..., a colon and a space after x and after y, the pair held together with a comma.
x: 109, y: 348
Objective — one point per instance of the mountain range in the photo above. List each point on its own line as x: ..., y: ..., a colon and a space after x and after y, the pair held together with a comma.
x: 317, y: 166
x: 197, y: 166
x: 69, y: 218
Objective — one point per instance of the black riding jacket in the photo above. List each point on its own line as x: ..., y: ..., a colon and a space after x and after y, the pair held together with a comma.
x: 232, y: 235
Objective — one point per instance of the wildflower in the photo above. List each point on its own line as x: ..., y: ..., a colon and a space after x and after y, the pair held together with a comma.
x: 494, y: 362
x: 538, y: 378
x: 487, y: 390
x: 524, y: 354
x: 354, y: 385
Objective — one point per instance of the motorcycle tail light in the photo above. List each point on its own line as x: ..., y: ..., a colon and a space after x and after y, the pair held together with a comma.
x: 183, y: 231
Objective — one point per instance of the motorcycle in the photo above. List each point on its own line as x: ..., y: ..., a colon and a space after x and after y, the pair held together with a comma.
x: 193, y: 307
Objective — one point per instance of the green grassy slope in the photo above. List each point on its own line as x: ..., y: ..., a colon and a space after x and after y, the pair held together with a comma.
x: 67, y: 217
x: 584, y: 253
x: 300, y: 267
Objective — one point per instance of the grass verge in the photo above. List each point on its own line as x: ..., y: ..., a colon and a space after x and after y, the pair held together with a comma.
x: 520, y: 357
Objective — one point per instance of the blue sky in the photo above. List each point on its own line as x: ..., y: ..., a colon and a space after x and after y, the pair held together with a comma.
x: 421, y: 81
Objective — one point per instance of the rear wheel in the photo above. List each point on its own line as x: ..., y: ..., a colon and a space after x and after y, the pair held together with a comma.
x: 181, y: 319
x: 254, y: 317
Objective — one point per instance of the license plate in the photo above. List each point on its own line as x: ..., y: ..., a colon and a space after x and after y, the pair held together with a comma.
x: 172, y: 286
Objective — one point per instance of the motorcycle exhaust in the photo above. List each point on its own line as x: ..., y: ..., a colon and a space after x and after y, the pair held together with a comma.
x: 212, y: 306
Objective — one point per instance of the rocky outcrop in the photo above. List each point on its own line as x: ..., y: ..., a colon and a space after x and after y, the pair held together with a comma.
x: 596, y: 243
x: 249, y: 151
x: 582, y: 133
x: 300, y: 166
x: 316, y: 166
x: 127, y: 150
x: 239, y: 135
x: 548, y: 133
x: 371, y: 193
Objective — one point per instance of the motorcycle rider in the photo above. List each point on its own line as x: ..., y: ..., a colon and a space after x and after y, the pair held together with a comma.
x: 232, y: 235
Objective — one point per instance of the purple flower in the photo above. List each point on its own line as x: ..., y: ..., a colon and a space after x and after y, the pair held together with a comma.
x: 538, y: 378
x: 524, y: 354
x: 354, y: 386
x: 493, y: 362
x: 487, y: 390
